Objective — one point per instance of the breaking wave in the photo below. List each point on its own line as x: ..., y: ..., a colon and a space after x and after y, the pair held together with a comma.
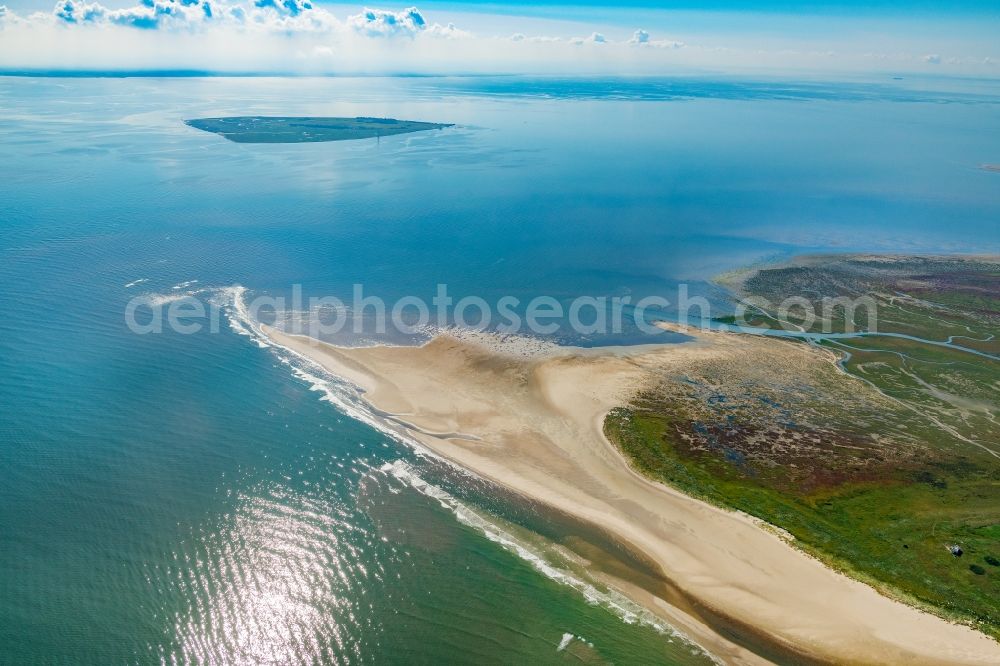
x: 347, y: 399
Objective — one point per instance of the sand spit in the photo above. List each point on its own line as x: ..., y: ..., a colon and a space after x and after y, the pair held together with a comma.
x: 533, y: 423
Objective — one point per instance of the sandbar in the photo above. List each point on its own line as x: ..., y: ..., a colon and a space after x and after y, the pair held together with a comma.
x: 533, y: 423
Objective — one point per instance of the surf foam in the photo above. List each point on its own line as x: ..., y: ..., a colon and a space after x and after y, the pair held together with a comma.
x: 611, y: 600
x: 346, y: 398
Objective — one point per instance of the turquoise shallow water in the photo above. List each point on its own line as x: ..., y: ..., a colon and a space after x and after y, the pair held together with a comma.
x: 198, y: 498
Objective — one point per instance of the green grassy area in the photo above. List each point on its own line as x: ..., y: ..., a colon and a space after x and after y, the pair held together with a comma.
x: 926, y: 297
x: 935, y: 299
x: 877, y: 478
x: 893, y: 533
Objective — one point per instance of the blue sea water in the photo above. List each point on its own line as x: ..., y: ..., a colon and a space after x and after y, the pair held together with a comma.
x: 193, y: 498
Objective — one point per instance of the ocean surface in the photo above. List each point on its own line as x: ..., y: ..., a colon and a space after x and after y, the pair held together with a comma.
x: 206, y: 498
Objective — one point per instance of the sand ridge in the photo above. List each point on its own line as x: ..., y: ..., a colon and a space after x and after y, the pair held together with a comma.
x: 533, y: 423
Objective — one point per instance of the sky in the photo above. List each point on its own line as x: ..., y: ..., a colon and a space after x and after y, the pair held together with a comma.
x: 816, y: 38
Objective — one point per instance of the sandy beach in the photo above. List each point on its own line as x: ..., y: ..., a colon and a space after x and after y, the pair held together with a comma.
x: 532, y: 423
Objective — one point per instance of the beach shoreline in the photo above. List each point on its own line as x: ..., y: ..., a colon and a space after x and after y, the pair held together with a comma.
x: 533, y: 424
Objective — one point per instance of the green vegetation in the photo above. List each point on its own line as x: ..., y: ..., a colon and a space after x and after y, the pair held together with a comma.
x: 927, y: 297
x: 268, y: 129
x: 879, y: 477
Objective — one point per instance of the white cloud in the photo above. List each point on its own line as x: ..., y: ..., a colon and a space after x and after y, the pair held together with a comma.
x: 448, y: 31
x: 595, y: 38
x: 666, y: 44
x: 382, y: 23
x: 152, y: 14
x: 147, y: 15
x: 642, y: 38
x: 71, y: 12
x: 290, y: 7
x: 301, y: 36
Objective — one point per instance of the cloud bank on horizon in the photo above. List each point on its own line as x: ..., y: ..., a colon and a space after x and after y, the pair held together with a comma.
x: 302, y: 37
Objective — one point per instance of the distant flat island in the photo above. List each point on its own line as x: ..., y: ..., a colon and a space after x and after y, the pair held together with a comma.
x: 281, y: 129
